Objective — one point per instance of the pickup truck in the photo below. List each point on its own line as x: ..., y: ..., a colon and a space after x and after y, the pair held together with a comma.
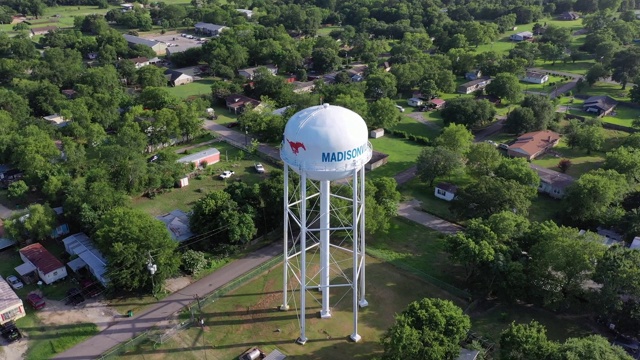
x: 226, y: 174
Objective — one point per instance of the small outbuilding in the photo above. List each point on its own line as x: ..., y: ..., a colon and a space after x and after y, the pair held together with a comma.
x: 521, y: 36
x: 209, y: 156
x: 415, y: 102
x: 437, y: 104
x: 445, y: 191
x: 11, y: 307
x: 377, y: 159
x: 376, y: 133
x: 48, y: 267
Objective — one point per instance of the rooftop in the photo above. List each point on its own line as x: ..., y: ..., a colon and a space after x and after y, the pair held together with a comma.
x: 41, y: 258
x: 44, y: 29
x: 80, y: 244
x: 534, y: 142
x: 535, y: 74
x: 173, y: 75
x: 603, y: 101
x: 557, y: 179
x: 198, y: 155
x: 140, y: 41
x: 447, y: 187
x: 8, y: 297
x: 209, y: 26
x: 476, y: 81
x: 177, y: 222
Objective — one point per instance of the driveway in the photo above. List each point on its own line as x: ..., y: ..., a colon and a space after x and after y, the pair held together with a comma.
x: 411, y: 210
x: 123, y: 329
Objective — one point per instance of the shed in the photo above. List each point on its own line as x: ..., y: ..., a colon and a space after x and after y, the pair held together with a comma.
x: 48, y: 267
x: 415, y: 102
x: 445, y: 191
x: 209, y: 156
x: 376, y: 133
x: 90, y: 257
x: 275, y: 355
x: 11, y: 307
x: 377, y: 159
x: 183, y: 182
x: 27, y: 273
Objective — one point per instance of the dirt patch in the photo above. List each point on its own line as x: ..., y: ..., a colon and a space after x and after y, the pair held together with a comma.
x: 175, y: 284
x: 13, y: 351
x: 92, y: 310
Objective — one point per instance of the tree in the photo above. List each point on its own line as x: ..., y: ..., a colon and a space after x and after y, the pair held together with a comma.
x: 194, y: 261
x: 507, y: 86
x: 468, y: 112
x: 550, y: 52
x: 490, y: 195
x: 429, y: 329
x: 153, y: 76
x: 595, y: 73
x: 437, y: 161
x: 591, y: 347
x: 36, y: 223
x: 128, y: 238
x: 526, y: 341
x: 543, y: 109
x: 596, y: 196
x: 625, y: 65
x: 521, y: 120
x: 380, y: 85
x: 456, y: 138
x: 473, y: 248
x: 518, y: 169
x: 483, y: 159
x: 325, y: 60
x: 564, y: 165
x: 383, y: 114
x: 217, y: 217
x: 624, y: 160
x: 17, y: 189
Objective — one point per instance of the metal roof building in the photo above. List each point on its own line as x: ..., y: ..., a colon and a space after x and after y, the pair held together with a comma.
x: 88, y: 255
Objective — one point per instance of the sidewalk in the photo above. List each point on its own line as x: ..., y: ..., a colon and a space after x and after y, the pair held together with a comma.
x: 409, y: 210
x: 126, y: 328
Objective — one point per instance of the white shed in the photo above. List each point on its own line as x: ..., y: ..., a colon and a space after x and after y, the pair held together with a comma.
x: 415, y: 102
x: 445, y: 191
x: 376, y: 133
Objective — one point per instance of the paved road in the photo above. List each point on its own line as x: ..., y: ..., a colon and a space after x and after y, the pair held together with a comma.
x: 411, y: 210
x: 239, y: 138
x: 127, y: 328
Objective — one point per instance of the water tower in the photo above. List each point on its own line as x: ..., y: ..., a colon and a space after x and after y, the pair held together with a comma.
x: 324, y: 144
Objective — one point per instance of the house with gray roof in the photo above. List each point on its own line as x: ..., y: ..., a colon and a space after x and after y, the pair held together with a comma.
x: 601, y: 105
x: 177, y: 222
x: 89, y: 256
x: 177, y: 78
x: 160, y: 48
x: 552, y: 183
x: 209, y: 29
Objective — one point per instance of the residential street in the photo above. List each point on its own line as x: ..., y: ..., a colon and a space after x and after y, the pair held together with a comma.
x: 127, y: 328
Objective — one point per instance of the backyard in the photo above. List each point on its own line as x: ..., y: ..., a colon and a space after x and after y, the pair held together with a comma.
x: 402, y: 154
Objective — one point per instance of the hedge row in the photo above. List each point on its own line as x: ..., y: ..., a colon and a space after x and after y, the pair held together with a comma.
x: 423, y: 140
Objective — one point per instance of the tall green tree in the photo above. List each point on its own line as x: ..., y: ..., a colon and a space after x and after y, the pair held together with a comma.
x: 383, y: 114
x: 455, y: 137
x: 526, y: 341
x: 36, y: 223
x: 129, y: 238
x: 429, y: 329
x: 434, y: 162
x: 507, y: 86
x: 483, y: 159
x: 596, y: 196
x: 490, y: 195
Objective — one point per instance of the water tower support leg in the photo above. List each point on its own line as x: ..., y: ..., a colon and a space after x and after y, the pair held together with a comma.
x: 303, y: 259
x: 355, y: 337
x: 325, y: 215
x: 363, y: 302
x: 285, y: 238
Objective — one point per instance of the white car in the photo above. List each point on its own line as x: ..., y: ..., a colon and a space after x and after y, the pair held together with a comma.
x: 400, y: 108
x: 14, y: 282
x: 226, y: 174
x: 259, y: 168
x: 491, y: 142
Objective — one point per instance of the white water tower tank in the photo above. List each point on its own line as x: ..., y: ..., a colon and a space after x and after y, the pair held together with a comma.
x: 326, y: 141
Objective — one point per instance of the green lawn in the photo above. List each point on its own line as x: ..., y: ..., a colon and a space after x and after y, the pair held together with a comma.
x: 622, y: 115
x: 325, y: 30
x: 414, y: 127
x: 603, y: 88
x: 198, y: 87
x: 579, y: 67
x: 430, y: 203
x: 67, y: 13
x: 557, y: 81
x: 402, y: 155
x: 184, y: 198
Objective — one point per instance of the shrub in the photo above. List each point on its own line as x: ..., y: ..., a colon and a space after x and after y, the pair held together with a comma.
x: 564, y: 165
x: 194, y: 261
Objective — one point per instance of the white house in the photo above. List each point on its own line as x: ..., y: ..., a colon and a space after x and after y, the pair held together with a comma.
x: 522, y: 36
x: 11, y: 307
x: 88, y: 256
x: 445, y: 191
x: 248, y: 13
x: 535, y: 77
x: 140, y: 62
x: 57, y: 120
x: 415, y: 102
x: 48, y: 267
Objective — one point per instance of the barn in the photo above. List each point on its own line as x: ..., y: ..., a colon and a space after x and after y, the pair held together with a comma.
x: 209, y: 156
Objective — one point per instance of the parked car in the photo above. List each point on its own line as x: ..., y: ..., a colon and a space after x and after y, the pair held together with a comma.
x: 90, y: 288
x: 491, y: 142
x: 36, y: 301
x: 259, y: 168
x: 14, y: 282
x: 503, y: 146
x: 153, y: 158
x: 74, y: 297
x: 400, y: 108
x: 10, y: 332
x: 226, y: 174
x: 233, y: 124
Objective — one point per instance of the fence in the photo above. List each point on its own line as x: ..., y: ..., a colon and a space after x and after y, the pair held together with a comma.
x: 149, y: 334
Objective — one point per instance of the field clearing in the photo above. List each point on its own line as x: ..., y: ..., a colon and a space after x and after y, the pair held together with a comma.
x: 65, y: 18
x: 579, y: 67
x: 605, y: 88
x: 196, y: 88
x: 402, y: 155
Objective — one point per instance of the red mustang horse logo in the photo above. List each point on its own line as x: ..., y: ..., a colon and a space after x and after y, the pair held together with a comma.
x: 295, y: 146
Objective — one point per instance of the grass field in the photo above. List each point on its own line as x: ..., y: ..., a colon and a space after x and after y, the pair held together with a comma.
x: 546, y: 87
x: 198, y: 87
x: 604, y: 88
x: 184, y: 198
x: 65, y: 19
x: 402, y: 154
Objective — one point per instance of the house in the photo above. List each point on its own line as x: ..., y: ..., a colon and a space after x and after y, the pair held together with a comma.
x: 474, y: 85
x: 535, y: 77
x: 609, y: 237
x: 635, y: 244
x: 5, y: 242
x: 177, y: 222
x: 248, y: 13
x: 209, y: 156
x: 69, y: 93
x: 280, y: 111
x: 415, y: 102
x: 56, y: 119
x: 552, y: 183
x: 140, y: 62
x: 249, y: 73
x: 601, y: 105
x: 473, y: 75
x: 237, y: 103
x: 158, y: 47
x: 300, y: 87
x: 48, y: 267
x: 533, y: 144
x: 377, y: 159
x: 209, y: 29
x: 445, y: 191
x: 88, y: 256
x: 126, y: 7
x: 11, y: 307
x: 92, y: 55
x: 177, y: 78
x: 466, y: 354
x: 437, y: 104
x: 521, y: 36
x: 385, y: 66
x: 569, y: 15
x: 42, y: 30
x: 357, y: 71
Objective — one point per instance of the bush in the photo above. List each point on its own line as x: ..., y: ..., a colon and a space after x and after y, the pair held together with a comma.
x: 194, y: 261
x: 564, y: 165
x: 17, y: 189
x: 415, y: 138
